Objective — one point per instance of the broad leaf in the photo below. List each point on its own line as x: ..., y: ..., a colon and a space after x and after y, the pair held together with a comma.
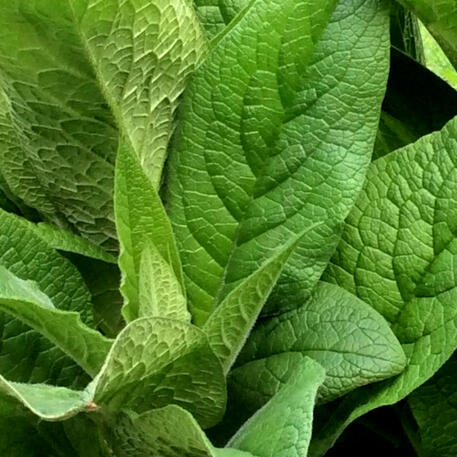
x: 348, y: 338
x: 408, y: 111
x: 75, y: 74
x: 261, y: 152
x: 398, y: 253
x: 440, y: 17
x: 155, y: 362
x: 160, y: 293
x: 434, y: 406
x: 229, y: 325
x: 170, y: 431
x: 28, y: 257
x: 24, y: 300
x: 141, y: 221
x: 283, y: 427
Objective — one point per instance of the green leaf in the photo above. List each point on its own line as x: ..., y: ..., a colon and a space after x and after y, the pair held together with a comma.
x: 348, y: 338
x: 398, y: 254
x: 25, y: 301
x: 282, y: 428
x: 229, y: 325
x: 251, y: 165
x: 28, y: 257
x: 155, y: 362
x: 440, y: 17
x: 408, y: 111
x: 76, y: 74
x: 141, y: 220
x: 215, y: 15
x: 226, y: 452
x: 160, y: 293
x: 48, y: 402
x: 434, y: 406
x: 170, y: 431
x: 66, y: 241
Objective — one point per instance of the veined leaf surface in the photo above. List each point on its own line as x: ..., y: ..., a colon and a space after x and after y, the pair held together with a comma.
x: 275, y: 136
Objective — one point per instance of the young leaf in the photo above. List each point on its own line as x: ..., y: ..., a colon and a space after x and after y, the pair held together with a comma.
x: 440, y: 17
x: 24, y: 300
x: 160, y: 293
x: 155, y: 362
x: 170, y: 431
x: 28, y: 257
x: 434, y: 406
x: 47, y: 402
x: 229, y: 325
x: 75, y: 75
x: 140, y: 220
x: 282, y: 428
x: 348, y: 338
x: 398, y: 253
x: 260, y: 154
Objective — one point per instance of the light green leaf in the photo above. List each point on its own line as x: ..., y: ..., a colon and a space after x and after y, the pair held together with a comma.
x: 48, y: 402
x: 155, y: 362
x: 440, y: 17
x: 160, y: 293
x: 63, y: 240
x: 229, y: 325
x: 282, y: 428
x: 398, y: 253
x: 348, y: 338
x: 28, y: 257
x: 170, y: 431
x: 434, y: 406
x: 142, y: 52
x: 76, y: 74
x: 273, y: 140
x: 24, y: 300
x: 141, y: 220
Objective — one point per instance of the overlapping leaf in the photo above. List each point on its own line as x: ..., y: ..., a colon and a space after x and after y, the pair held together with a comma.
x: 261, y: 151
x: 283, y: 427
x: 398, y: 254
x: 349, y: 339
x: 61, y: 65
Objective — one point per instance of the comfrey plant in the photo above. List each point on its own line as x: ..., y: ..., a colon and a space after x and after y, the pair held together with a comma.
x: 227, y: 228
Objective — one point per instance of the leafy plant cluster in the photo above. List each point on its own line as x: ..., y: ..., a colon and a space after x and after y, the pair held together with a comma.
x: 227, y: 228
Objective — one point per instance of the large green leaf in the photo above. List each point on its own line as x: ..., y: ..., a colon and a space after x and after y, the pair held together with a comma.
x: 348, y: 338
x: 76, y: 72
x: 408, y: 111
x: 434, y: 406
x: 398, y: 253
x: 27, y: 256
x: 24, y: 300
x: 273, y: 140
x: 440, y: 17
x: 283, y: 427
x: 140, y: 221
x: 155, y: 362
